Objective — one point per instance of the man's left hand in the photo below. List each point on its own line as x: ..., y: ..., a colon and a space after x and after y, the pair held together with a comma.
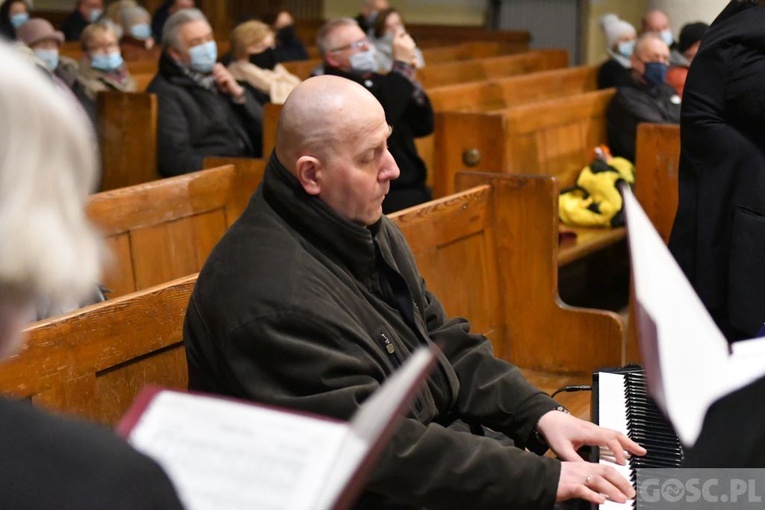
x: 565, y: 434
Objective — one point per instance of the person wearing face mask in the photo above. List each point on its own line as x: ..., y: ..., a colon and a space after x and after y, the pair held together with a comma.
x: 102, y: 67
x: 368, y: 14
x: 657, y: 22
x: 13, y: 14
x: 114, y: 14
x: 86, y: 12
x: 41, y: 43
x: 288, y: 47
x: 620, y: 44
x: 688, y: 46
x: 137, y: 42
x: 347, y: 52
x: 255, y: 63
x: 648, y: 98
x: 387, y: 27
x: 203, y: 110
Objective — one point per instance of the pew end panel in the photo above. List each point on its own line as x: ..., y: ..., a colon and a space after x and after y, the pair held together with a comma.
x: 271, y: 114
x: 74, y: 363
x: 464, y: 140
x: 453, y: 241
x: 164, y: 229
x: 543, y: 333
x: 127, y: 133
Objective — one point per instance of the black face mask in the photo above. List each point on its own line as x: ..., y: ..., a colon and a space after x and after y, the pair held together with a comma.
x: 285, y: 34
x: 265, y: 59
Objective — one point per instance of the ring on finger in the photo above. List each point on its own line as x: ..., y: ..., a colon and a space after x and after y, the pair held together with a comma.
x: 587, y: 480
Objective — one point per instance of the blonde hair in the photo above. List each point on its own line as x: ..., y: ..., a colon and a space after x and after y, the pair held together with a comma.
x: 48, y: 249
x: 114, y: 11
x: 92, y: 30
x: 247, y: 34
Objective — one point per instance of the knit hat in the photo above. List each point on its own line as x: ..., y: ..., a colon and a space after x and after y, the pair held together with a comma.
x: 36, y: 30
x: 129, y: 16
x: 615, y: 28
x: 690, y: 35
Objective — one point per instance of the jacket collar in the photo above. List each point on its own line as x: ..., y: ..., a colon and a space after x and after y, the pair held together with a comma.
x: 352, y: 244
x: 172, y: 71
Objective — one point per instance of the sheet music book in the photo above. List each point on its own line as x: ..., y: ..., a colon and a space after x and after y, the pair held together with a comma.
x: 226, y: 454
x: 687, y: 359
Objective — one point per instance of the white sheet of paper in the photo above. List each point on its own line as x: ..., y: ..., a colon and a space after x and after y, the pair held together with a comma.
x: 693, y: 359
x: 222, y: 454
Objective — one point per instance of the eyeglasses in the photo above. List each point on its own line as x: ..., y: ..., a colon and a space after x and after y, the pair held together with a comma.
x: 361, y: 43
x: 105, y: 47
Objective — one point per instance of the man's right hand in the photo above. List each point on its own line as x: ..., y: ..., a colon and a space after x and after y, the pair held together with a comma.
x: 593, y: 483
x: 403, y: 48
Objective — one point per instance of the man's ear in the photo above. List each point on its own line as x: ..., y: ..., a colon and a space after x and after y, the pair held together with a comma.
x: 308, y: 171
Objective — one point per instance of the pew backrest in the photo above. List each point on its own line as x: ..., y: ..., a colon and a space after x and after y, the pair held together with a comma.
x: 165, y: 229
x: 477, y: 69
x: 93, y: 362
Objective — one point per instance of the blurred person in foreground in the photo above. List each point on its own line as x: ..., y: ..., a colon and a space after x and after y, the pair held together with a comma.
x: 50, y: 252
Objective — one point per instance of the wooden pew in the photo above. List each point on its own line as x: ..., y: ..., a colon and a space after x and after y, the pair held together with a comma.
x: 550, y: 138
x: 127, y: 133
x: 94, y: 361
x: 554, y: 137
x: 142, y: 81
x: 657, y: 158
x: 165, y: 229
x: 478, y: 69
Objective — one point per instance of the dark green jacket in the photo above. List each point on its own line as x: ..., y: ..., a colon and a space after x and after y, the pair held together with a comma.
x: 296, y: 307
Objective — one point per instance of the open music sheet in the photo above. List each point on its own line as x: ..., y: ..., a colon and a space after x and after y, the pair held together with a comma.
x: 220, y: 453
x: 685, y: 356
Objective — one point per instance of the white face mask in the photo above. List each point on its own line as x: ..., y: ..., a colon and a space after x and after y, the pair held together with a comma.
x: 363, y: 62
x: 625, y: 48
x: 667, y: 37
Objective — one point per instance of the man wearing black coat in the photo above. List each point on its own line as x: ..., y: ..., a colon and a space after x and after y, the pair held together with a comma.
x: 347, y: 52
x: 203, y: 111
x: 648, y: 98
x: 719, y: 233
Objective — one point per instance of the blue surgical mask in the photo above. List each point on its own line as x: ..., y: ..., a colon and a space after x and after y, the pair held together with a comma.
x: 625, y: 48
x: 655, y: 73
x: 50, y: 57
x: 667, y: 37
x: 95, y: 14
x: 203, y: 57
x: 106, y: 63
x: 141, y: 31
x: 363, y: 62
x: 19, y: 19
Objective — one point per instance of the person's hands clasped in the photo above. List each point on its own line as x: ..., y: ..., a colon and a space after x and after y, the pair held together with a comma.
x: 564, y: 435
x: 226, y: 83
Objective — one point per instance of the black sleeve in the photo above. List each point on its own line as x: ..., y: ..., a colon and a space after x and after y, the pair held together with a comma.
x: 396, y: 97
x: 251, y: 115
x: 175, y: 155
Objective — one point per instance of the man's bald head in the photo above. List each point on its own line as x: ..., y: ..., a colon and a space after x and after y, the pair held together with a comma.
x: 319, y: 115
x: 333, y: 137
